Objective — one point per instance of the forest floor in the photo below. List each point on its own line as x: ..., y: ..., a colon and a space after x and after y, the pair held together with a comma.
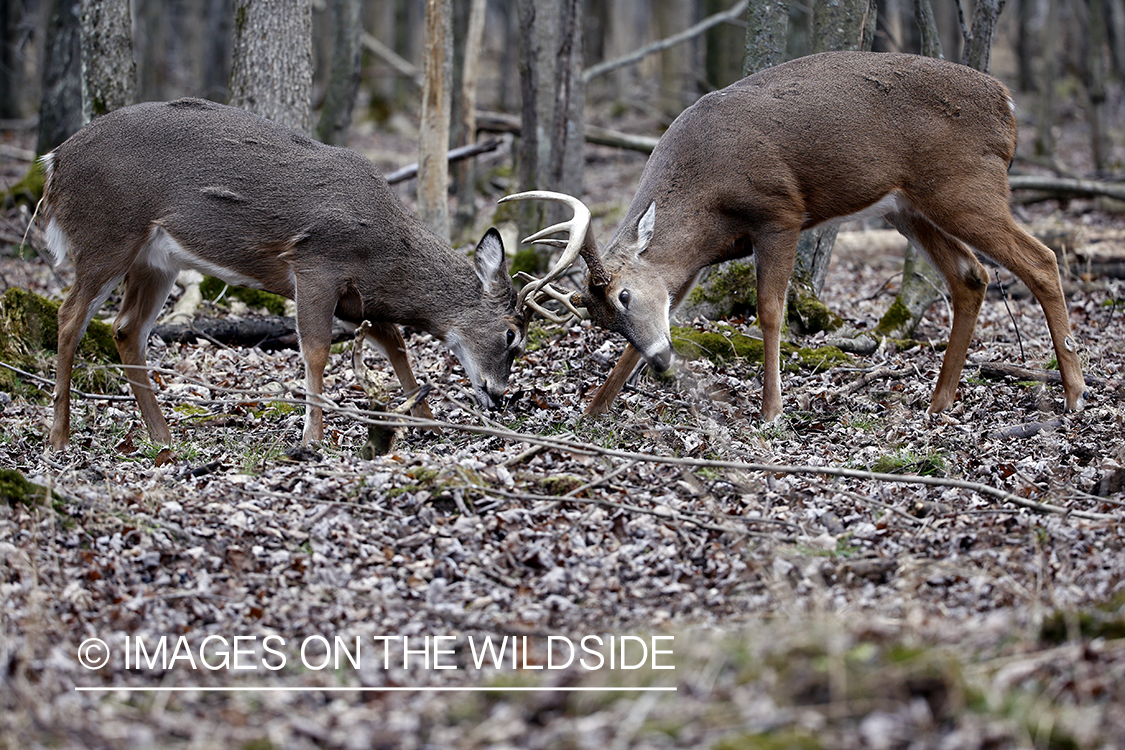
x: 674, y: 574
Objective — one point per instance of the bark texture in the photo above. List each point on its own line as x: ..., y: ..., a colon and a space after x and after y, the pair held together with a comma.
x: 271, y: 69
x: 109, y: 74
x: 433, y: 167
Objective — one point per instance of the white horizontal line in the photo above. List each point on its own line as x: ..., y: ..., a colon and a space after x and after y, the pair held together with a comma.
x: 287, y: 689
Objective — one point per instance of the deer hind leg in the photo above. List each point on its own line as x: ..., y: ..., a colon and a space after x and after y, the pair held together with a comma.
x: 146, y: 291
x: 967, y: 280
x: 85, y: 298
x: 990, y: 228
x: 389, y: 339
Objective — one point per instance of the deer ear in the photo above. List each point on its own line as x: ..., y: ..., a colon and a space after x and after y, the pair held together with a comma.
x: 489, y: 261
x: 646, y: 227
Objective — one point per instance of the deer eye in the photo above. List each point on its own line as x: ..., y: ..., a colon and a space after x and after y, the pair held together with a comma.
x: 624, y: 297
x: 511, y: 337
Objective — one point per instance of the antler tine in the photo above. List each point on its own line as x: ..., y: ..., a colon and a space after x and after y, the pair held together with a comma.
x: 580, y: 242
x: 553, y: 292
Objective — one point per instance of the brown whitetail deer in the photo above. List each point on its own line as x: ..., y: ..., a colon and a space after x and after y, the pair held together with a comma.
x: 924, y: 142
x: 147, y: 190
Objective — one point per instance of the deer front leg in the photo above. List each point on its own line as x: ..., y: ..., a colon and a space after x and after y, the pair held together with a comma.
x: 389, y: 339
x: 85, y: 297
x: 613, y: 384
x: 773, y: 257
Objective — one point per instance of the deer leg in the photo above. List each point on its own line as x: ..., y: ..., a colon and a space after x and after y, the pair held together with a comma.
x: 967, y: 280
x: 773, y: 258
x: 991, y: 229
x: 613, y: 384
x: 389, y: 339
x: 146, y: 290
x: 75, y: 313
x: 316, y: 300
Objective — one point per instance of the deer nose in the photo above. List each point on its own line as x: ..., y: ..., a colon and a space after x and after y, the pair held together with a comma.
x: 662, y: 360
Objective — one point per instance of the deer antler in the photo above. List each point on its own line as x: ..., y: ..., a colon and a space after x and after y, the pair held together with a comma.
x: 581, y: 242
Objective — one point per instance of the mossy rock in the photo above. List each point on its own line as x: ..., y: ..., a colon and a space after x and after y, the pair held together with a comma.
x: 30, y: 187
x: 726, y: 344
x: 529, y: 261
x: 808, y: 315
x: 212, y: 289
x: 29, y: 328
x: 15, y: 488
x: 725, y: 290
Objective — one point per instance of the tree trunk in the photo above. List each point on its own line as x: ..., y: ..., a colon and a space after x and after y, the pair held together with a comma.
x: 1048, y: 74
x: 1094, y: 74
x: 676, y: 69
x: 433, y: 168
x: 551, y: 154
x: 343, y: 76
x: 767, y: 31
x: 109, y: 74
x: 60, y: 109
x: 271, y: 66
x: 470, y: 72
x: 978, y: 38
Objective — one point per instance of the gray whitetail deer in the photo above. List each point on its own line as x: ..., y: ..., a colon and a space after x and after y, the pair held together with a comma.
x: 147, y: 190
x: 924, y: 142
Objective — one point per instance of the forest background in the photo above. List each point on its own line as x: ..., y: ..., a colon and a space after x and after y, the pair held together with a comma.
x: 856, y: 575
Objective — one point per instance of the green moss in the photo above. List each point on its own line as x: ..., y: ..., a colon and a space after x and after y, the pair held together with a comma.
x: 538, y: 336
x: 560, y: 484
x: 529, y: 261
x: 725, y: 344
x: 212, y: 289
x: 807, y: 314
x: 30, y: 187
x: 730, y: 290
x: 782, y: 739
x: 894, y: 319
x: 29, y: 328
x: 906, y: 461
x: 15, y: 488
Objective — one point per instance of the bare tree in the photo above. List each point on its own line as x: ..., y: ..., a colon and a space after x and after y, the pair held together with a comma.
x: 433, y: 167
x: 109, y: 74
x: 846, y: 25
x: 271, y: 67
x: 343, y: 75
x: 60, y: 109
x: 551, y: 155
x: 767, y: 32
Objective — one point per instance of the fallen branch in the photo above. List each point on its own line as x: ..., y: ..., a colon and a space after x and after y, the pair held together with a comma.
x: 499, y: 122
x: 1068, y: 186
x: 410, y: 171
x: 999, y: 370
x: 402, y: 66
x: 386, y: 419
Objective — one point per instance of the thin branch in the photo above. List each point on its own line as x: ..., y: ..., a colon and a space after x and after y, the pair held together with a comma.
x: 388, y: 419
x: 660, y: 45
x: 410, y: 171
